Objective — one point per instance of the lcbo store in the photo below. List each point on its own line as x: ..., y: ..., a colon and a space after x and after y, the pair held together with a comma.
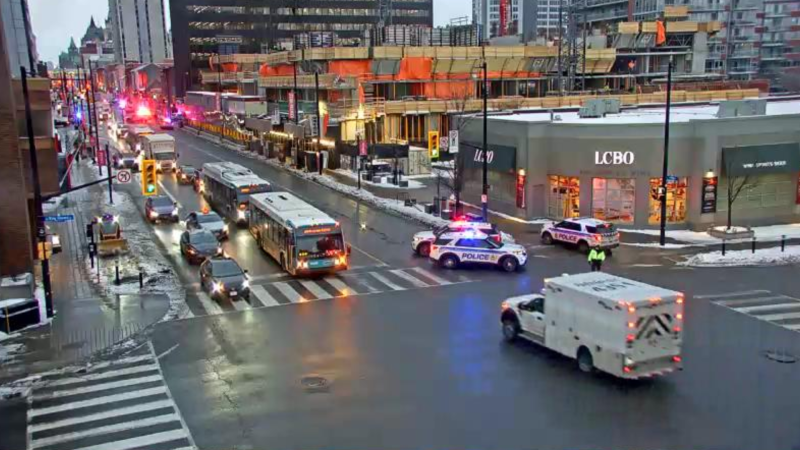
x: 560, y: 165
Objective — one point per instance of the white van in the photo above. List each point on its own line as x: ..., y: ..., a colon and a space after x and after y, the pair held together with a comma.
x: 616, y: 325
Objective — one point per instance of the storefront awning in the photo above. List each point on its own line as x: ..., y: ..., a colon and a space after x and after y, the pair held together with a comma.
x: 760, y: 159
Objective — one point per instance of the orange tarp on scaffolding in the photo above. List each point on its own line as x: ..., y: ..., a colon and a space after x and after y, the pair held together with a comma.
x: 450, y: 90
x: 357, y: 68
x: 230, y: 67
x: 415, y: 69
x: 275, y: 71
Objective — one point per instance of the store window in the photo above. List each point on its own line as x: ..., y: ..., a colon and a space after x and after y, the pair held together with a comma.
x: 613, y: 199
x: 762, y: 191
x: 676, y: 200
x: 564, y: 198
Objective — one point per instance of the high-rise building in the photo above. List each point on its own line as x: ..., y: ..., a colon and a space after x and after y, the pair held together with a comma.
x: 140, y: 31
x: 255, y: 26
x: 19, y: 38
x: 526, y: 18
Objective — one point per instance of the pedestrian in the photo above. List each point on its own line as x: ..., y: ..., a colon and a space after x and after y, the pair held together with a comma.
x: 596, y: 257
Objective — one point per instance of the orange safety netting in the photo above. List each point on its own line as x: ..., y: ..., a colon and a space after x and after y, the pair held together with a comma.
x: 415, y: 69
x: 349, y: 67
x: 275, y: 71
x: 449, y: 90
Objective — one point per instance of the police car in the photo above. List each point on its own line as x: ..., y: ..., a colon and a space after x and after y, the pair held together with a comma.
x: 583, y: 232
x: 421, y: 242
x: 452, y: 249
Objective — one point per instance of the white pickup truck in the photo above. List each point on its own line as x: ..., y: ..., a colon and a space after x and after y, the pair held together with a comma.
x: 616, y: 325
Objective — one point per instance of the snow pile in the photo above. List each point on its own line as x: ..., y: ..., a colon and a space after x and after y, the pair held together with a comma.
x: 412, y: 184
x: 9, y: 351
x: 53, y: 204
x: 764, y: 257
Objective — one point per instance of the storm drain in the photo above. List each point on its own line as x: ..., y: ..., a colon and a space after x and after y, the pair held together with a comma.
x: 780, y: 357
x: 315, y: 384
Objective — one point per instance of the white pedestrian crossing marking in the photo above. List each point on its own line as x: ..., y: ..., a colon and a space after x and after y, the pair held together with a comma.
x: 314, y: 288
x: 409, y: 278
x: 777, y: 309
x: 289, y: 292
x: 347, y: 283
x: 263, y: 296
x: 106, y: 408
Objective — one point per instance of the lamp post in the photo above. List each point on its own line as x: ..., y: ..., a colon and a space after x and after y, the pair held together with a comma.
x: 485, y: 191
x: 662, y: 240
x: 319, y: 124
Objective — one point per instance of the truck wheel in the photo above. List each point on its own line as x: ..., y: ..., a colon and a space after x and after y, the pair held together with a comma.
x: 449, y: 262
x: 509, y: 264
x: 424, y: 249
x: 510, y: 330
x: 585, y: 360
x: 547, y: 239
x: 583, y: 247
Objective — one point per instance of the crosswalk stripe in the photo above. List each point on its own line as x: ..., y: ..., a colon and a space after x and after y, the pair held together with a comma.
x: 751, y: 309
x: 732, y: 294
x: 263, y: 296
x: 431, y: 275
x: 784, y: 316
x: 140, y: 441
x: 387, y: 282
x: 732, y: 303
x: 97, y: 388
x: 240, y: 305
x: 131, y: 425
x: 341, y: 286
x: 315, y: 289
x: 209, y: 304
x: 102, y: 375
x: 409, y: 278
x: 150, y: 406
x: 97, y: 401
x: 288, y: 292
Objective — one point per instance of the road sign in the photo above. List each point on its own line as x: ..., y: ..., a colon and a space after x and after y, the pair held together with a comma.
x: 124, y: 176
x: 453, y: 144
x: 60, y: 218
x: 443, y: 143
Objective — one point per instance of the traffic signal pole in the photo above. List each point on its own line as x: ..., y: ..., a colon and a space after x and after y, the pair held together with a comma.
x: 110, y: 177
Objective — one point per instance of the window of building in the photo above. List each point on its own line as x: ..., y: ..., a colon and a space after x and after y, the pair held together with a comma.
x: 677, y: 188
x: 564, y: 197
x: 764, y: 191
x: 613, y: 199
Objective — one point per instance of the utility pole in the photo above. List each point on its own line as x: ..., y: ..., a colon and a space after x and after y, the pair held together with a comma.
x: 319, y: 122
x: 219, y: 93
x: 294, y: 94
x: 41, y: 231
x: 485, y: 191
x: 96, y: 145
x: 560, y: 44
x: 110, y: 178
x: 665, y: 169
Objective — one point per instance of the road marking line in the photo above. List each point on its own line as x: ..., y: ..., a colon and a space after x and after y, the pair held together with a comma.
x: 102, y: 375
x: 729, y: 303
x: 211, y: 307
x: 141, y: 441
x: 386, y: 281
x: 169, y: 194
x: 97, y: 388
x: 288, y: 292
x: 263, y: 296
x: 240, y: 305
x: 750, y: 309
x: 645, y: 265
x: 318, y: 292
x: 167, y: 352
x: 124, y: 426
x: 732, y: 294
x: 97, y: 401
x: 340, y: 286
x: 383, y: 264
x: 431, y: 275
x: 409, y: 278
x: 150, y: 406
x: 771, y: 317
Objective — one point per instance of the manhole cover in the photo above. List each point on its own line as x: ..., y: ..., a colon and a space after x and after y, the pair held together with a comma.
x: 780, y: 357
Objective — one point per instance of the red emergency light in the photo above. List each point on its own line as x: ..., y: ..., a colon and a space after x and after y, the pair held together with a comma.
x: 143, y: 111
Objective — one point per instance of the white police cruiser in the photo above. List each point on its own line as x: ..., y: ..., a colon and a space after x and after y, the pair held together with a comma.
x: 422, y: 241
x: 452, y: 249
x: 583, y: 232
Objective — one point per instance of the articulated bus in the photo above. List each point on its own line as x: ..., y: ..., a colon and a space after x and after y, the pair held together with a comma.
x: 303, y: 239
x: 228, y: 187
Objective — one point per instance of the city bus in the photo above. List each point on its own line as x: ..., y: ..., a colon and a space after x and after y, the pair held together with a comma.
x: 228, y: 186
x: 303, y: 239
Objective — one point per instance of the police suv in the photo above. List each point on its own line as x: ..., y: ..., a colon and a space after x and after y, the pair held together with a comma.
x: 422, y: 241
x: 452, y: 249
x: 583, y: 232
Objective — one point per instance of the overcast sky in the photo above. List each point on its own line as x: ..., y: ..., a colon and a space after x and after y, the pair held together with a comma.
x: 55, y: 21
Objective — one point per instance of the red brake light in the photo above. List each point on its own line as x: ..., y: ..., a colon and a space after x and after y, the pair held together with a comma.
x: 434, y: 247
x: 630, y: 337
x: 676, y: 358
x: 626, y: 369
x: 677, y: 329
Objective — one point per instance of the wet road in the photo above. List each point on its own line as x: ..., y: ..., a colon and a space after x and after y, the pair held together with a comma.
x: 420, y: 364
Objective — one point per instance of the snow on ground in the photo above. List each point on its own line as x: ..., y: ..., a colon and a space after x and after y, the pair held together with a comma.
x: 762, y: 257
x: 540, y: 221
x: 412, y: 184
x: 53, y: 204
x: 762, y: 234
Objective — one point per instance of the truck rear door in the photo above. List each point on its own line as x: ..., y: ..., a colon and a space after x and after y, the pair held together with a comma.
x: 655, y: 333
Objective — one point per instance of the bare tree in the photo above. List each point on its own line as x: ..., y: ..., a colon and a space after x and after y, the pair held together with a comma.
x: 452, y: 177
x: 736, y: 184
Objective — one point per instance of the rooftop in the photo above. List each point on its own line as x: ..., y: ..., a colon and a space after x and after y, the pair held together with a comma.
x: 646, y: 115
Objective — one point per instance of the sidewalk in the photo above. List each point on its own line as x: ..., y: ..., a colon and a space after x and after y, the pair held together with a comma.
x: 87, y: 320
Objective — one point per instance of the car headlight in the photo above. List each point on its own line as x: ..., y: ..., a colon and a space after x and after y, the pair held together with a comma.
x: 153, y: 214
x: 219, y: 250
x: 246, y: 284
x: 225, y: 228
x: 217, y: 286
x: 241, y: 215
x: 56, y: 239
x: 191, y: 251
x: 628, y: 361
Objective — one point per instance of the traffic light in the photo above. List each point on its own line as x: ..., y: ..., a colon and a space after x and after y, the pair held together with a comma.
x: 433, y: 144
x: 149, y: 177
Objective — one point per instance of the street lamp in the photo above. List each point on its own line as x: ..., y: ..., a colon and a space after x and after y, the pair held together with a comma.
x: 485, y: 192
x: 662, y: 240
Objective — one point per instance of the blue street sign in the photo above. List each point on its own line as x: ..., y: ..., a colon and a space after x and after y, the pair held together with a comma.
x: 60, y: 218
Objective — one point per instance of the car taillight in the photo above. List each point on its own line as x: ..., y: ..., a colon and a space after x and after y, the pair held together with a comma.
x: 677, y: 358
x: 630, y: 337
x: 626, y: 369
x: 434, y: 247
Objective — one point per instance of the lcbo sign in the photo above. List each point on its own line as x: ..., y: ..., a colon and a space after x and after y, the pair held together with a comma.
x: 613, y: 158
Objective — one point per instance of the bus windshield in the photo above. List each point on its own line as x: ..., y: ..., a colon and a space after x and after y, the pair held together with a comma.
x: 319, y: 245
